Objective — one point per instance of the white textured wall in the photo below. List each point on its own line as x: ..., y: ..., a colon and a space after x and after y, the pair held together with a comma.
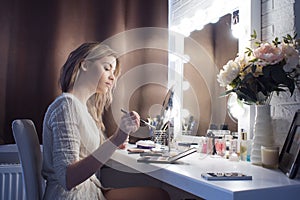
x: 278, y: 19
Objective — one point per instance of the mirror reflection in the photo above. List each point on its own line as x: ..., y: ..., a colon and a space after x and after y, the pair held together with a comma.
x: 208, y: 39
x: 201, y: 99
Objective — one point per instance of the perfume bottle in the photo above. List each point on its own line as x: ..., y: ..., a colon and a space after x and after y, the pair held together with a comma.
x: 233, y: 156
x: 243, y: 145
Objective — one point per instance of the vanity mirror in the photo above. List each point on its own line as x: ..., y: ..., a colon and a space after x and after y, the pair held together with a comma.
x: 201, y: 41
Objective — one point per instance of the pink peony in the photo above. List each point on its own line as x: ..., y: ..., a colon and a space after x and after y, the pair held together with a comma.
x: 269, y: 53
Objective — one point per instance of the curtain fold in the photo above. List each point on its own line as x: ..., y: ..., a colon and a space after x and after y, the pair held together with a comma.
x: 37, y: 36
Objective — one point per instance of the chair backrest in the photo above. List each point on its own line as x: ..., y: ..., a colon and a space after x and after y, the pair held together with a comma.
x: 30, y: 155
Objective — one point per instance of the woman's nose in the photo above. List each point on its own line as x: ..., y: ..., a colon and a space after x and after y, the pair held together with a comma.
x: 111, y: 76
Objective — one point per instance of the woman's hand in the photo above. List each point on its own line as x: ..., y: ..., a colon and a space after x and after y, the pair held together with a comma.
x: 130, y: 122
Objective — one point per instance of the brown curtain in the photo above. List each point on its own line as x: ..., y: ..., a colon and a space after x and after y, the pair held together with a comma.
x: 37, y: 36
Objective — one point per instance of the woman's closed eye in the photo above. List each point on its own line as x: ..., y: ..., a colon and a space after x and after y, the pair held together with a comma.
x: 107, y: 67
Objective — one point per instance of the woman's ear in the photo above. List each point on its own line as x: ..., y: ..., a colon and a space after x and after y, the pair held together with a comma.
x: 83, y: 66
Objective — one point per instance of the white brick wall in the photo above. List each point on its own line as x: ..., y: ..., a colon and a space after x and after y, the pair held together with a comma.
x: 278, y: 19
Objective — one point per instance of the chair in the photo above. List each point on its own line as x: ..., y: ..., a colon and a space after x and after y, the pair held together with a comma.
x: 30, y: 156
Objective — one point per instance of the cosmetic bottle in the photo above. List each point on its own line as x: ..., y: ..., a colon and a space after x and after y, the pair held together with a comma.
x: 228, y: 139
x: 233, y: 146
x: 243, y: 145
x: 249, y: 147
x: 222, y: 135
x: 224, y: 129
x: 233, y: 156
x: 234, y: 135
x: 212, y: 128
x: 220, y: 146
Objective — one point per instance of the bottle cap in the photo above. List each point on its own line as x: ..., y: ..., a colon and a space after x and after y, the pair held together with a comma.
x: 244, y: 135
x: 223, y: 127
x: 234, y: 157
x: 213, y: 127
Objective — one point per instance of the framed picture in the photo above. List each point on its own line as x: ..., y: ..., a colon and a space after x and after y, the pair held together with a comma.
x: 289, y: 159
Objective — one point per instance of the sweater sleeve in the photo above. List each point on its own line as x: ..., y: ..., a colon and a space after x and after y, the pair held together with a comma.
x: 66, y: 138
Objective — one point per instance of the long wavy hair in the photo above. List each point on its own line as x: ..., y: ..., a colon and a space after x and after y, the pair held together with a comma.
x: 90, y: 51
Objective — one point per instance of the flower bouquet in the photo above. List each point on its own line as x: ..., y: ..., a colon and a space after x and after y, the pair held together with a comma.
x: 270, y: 67
x: 255, y: 75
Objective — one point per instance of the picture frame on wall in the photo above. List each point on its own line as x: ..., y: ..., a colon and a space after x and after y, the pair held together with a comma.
x: 289, y: 159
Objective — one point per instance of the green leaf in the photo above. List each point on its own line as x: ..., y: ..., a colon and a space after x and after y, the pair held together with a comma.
x: 253, y: 68
x: 257, y: 43
x: 267, y: 70
x: 247, y: 67
x: 289, y: 83
x: 248, y: 50
x: 246, y: 95
x: 265, y: 85
x: 226, y: 93
x: 275, y: 77
x: 276, y: 41
x: 254, y: 35
x: 295, y: 35
x: 253, y: 60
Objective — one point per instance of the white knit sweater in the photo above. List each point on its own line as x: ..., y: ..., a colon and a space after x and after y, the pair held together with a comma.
x: 69, y: 134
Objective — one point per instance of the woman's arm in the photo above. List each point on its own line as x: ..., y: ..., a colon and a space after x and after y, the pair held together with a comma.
x: 85, y: 168
x: 81, y: 170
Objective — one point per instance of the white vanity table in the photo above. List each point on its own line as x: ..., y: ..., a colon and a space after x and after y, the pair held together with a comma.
x: 266, y: 183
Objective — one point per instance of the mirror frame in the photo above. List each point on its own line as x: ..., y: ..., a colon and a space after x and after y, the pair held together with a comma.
x: 249, y: 20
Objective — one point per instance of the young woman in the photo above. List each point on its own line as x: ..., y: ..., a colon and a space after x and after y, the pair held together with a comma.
x: 73, y: 141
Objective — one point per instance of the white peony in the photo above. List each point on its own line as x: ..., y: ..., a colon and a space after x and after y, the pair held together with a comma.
x: 229, y: 72
x: 243, y: 60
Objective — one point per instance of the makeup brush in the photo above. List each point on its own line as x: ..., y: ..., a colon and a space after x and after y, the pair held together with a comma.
x: 141, y: 120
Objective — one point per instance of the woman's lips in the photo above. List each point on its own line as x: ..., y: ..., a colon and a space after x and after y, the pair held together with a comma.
x: 108, y: 84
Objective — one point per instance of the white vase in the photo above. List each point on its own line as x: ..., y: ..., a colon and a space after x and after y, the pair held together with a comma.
x: 262, y: 132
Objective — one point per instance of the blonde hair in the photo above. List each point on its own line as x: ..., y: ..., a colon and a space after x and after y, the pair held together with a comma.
x: 91, y: 51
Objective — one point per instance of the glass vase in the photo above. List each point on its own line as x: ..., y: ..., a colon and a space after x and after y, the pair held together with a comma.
x: 262, y: 132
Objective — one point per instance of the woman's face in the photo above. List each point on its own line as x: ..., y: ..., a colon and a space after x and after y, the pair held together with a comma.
x: 104, y: 69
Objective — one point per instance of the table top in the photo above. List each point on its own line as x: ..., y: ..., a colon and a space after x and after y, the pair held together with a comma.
x: 186, y: 175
